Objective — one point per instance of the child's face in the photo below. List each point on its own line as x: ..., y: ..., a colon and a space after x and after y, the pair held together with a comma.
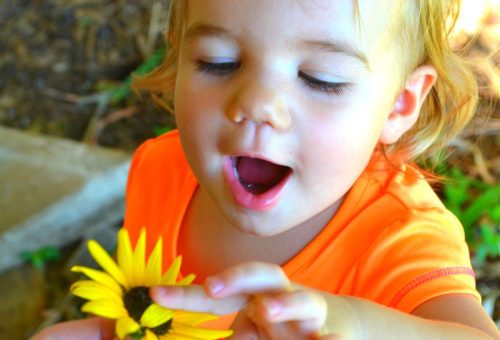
x: 290, y: 82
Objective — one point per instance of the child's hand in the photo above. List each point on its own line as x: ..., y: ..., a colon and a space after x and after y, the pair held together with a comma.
x: 94, y: 328
x: 269, y: 308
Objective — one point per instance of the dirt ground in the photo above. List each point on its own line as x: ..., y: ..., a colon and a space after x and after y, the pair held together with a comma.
x: 57, y: 56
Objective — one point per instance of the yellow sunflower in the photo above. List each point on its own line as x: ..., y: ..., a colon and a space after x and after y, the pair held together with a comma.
x: 121, y: 292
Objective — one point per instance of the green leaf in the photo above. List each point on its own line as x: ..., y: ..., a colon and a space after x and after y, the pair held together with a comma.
x: 153, y: 61
x: 487, y: 243
x: 481, y: 205
x: 160, y: 130
x: 50, y: 253
x: 495, y: 214
x: 470, y: 235
x: 37, y: 261
x: 39, y: 257
x: 486, y: 234
x: 27, y: 256
x: 481, y: 254
x: 456, y: 190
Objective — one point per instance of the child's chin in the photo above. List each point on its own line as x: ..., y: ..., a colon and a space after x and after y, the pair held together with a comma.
x: 262, y: 225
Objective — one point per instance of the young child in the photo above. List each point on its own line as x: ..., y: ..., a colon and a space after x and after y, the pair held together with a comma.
x: 288, y: 188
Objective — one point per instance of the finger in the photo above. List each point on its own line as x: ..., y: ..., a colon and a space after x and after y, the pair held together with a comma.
x: 300, y: 305
x: 193, y: 298
x: 247, y: 278
x: 243, y: 328
x: 251, y: 322
x: 301, y: 314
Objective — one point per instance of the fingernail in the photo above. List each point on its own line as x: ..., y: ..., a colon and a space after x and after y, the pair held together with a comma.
x: 215, y: 286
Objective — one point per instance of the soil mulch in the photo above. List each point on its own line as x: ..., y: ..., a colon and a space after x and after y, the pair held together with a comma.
x: 56, y: 57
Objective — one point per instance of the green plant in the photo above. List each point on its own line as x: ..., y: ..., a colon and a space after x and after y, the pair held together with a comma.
x: 160, y: 130
x: 38, y: 258
x: 122, y: 91
x: 477, y: 206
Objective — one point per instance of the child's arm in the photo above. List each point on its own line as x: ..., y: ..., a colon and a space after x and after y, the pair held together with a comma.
x: 257, y: 288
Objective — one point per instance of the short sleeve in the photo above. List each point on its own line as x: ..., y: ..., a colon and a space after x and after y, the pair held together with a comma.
x: 160, y: 185
x: 421, y: 255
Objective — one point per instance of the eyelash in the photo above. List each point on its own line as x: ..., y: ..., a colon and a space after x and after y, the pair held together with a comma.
x: 218, y: 69
x: 323, y: 86
x: 226, y: 68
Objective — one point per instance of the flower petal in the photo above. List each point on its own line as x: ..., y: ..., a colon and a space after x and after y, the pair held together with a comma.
x: 106, y: 262
x: 138, y: 261
x: 100, y: 277
x: 171, y: 275
x: 105, y: 290
x: 124, y: 253
x: 187, y: 280
x: 198, y: 333
x: 92, y: 290
x: 126, y: 326
x: 173, y: 336
x: 105, y: 309
x: 153, y: 268
x: 150, y: 335
x: 193, y: 318
x: 155, y: 316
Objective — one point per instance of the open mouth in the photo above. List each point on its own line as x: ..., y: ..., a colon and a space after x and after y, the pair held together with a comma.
x: 255, y: 183
x: 258, y: 176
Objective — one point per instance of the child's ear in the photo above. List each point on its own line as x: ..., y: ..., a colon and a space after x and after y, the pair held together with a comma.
x: 407, y: 106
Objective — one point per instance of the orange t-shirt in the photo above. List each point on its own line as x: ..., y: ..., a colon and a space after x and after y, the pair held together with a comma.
x: 392, y: 241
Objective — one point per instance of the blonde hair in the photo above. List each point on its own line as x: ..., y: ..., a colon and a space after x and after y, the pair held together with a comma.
x: 424, y: 27
x: 160, y: 83
x: 452, y: 101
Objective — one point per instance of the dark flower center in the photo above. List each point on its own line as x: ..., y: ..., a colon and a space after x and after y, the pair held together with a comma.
x: 136, y: 301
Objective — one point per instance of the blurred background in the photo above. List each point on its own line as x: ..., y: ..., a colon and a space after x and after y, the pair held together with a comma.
x: 69, y: 123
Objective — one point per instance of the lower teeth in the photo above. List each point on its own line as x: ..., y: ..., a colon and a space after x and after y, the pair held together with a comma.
x: 255, y: 188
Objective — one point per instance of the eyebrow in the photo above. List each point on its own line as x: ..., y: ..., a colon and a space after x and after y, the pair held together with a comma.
x: 336, y: 47
x: 204, y: 30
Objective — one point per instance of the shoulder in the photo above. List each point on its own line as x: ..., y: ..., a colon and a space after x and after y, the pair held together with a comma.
x: 159, y: 188
x: 159, y: 162
x: 159, y: 165
x: 161, y: 151
x: 389, y: 196
x: 410, y: 210
x: 405, y: 185
x: 418, y: 249
x: 404, y: 195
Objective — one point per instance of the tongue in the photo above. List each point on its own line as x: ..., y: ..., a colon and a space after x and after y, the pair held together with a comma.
x: 259, y: 172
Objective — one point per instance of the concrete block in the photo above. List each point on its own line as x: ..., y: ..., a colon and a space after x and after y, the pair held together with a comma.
x: 52, y: 190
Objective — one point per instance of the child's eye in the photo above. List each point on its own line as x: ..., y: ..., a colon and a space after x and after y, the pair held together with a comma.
x: 218, y: 68
x: 322, y: 85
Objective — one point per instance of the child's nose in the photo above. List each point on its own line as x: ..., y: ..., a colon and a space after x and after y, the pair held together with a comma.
x: 259, y: 104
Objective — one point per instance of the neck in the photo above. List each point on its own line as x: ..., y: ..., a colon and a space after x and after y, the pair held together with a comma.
x: 209, y: 243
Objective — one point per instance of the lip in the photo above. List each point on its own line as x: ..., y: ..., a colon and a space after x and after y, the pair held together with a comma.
x: 256, y: 202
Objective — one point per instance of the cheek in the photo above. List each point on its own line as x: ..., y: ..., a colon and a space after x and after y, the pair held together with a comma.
x: 339, y: 149
x: 192, y: 109
x: 198, y: 120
